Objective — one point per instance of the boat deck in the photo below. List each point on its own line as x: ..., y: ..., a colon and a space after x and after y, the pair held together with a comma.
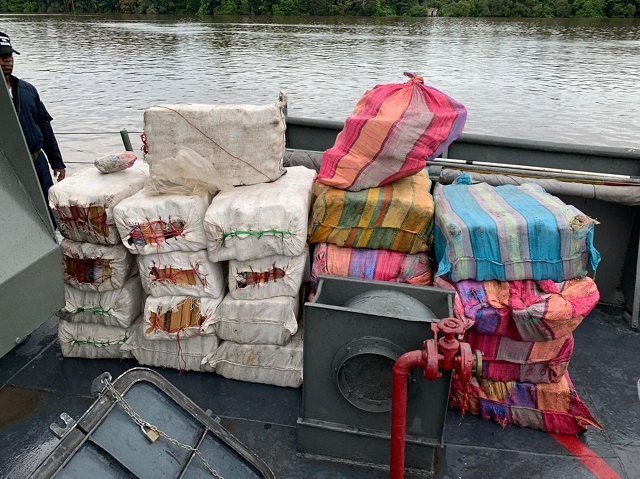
x: 37, y: 384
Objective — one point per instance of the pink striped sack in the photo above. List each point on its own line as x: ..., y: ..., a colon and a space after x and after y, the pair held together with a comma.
x: 393, y: 131
x: 504, y: 359
x: 376, y: 264
x: 553, y: 407
x: 523, y: 310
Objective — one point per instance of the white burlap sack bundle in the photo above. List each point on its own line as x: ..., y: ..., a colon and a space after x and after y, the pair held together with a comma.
x: 96, y: 267
x: 261, y: 363
x: 85, y: 202
x: 269, y: 321
x: 161, y: 223
x: 92, y: 341
x: 268, y: 277
x: 245, y: 143
x: 181, y: 273
x: 118, y: 308
x: 173, y: 317
x: 255, y: 221
x: 188, y: 354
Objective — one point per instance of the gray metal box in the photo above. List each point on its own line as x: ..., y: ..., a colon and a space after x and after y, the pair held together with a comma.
x: 348, y: 356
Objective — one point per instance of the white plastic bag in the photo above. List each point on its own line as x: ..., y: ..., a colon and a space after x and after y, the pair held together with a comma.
x: 188, y: 354
x: 261, y: 220
x: 186, y: 174
x: 92, y: 341
x: 84, y: 202
x: 261, y: 363
x: 151, y: 224
x: 115, y: 162
x: 119, y: 307
x: 96, y: 267
x: 176, y: 317
x: 268, y: 277
x: 181, y: 273
x: 268, y: 321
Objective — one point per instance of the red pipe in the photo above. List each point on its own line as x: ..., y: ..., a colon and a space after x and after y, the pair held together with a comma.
x: 404, y: 364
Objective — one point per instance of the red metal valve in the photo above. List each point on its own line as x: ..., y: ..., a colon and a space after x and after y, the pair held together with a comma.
x: 451, y: 326
x: 431, y: 359
x: 449, y: 345
x: 447, y: 353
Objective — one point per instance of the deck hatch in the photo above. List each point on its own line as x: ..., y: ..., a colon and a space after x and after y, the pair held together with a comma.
x: 108, y: 441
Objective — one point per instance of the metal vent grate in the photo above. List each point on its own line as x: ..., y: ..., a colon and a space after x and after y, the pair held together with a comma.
x: 369, y: 376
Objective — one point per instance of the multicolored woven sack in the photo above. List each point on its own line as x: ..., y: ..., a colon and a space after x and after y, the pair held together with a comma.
x: 376, y: 264
x: 504, y: 359
x: 551, y: 407
x: 523, y: 310
x: 396, y: 217
x: 392, y: 132
x: 510, y: 233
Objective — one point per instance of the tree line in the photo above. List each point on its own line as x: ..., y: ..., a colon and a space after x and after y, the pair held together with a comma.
x: 414, y: 8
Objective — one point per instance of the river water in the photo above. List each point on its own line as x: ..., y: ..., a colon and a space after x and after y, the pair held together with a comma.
x: 562, y: 80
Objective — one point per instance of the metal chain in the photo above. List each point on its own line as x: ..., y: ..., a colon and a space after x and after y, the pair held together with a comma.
x: 142, y: 423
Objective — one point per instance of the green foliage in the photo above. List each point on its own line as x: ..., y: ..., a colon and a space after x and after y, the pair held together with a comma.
x: 227, y: 7
x: 561, y: 8
x: 588, y: 8
x: 380, y: 8
x: 287, y: 7
x: 617, y: 9
x: 418, y: 11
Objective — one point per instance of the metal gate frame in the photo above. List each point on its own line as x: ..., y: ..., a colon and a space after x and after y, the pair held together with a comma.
x: 76, y: 433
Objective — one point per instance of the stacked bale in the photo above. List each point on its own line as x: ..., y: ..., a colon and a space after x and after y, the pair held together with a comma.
x: 193, y: 151
x: 184, y: 288
x: 517, y: 258
x: 372, y: 196
x: 257, y: 230
x: 102, y: 292
x: 261, y: 230
x: 381, y: 233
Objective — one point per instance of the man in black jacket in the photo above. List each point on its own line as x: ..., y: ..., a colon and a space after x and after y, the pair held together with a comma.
x: 34, y: 120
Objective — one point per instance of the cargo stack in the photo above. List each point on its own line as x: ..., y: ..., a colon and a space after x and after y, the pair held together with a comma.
x: 103, y: 295
x: 250, y: 229
x: 261, y: 230
x: 382, y: 233
x: 165, y: 233
x: 372, y: 216
x: 518, y: 259
x: 193, y: 151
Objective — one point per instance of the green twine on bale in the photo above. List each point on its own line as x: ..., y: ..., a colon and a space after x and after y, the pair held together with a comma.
x: 105, y: 312
x: 97, y: 343
x: 259, y: 234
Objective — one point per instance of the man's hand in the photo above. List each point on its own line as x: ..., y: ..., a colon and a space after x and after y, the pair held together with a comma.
x: 59, y: 174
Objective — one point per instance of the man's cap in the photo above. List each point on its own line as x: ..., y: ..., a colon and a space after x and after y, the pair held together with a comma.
x: 5, y: 45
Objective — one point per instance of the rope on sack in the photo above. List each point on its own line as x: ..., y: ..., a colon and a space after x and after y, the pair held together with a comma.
x: 81, y: 309
x: 91, y: 218
x: 145, y: 146
x: 155, y: 232
x: 94, y: 271
x: 259, y: 234
x: 253, y: 278
x: 146, y: 426
x: 104, y: 344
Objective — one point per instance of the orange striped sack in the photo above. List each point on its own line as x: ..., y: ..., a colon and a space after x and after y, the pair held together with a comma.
x: 393, y: 131
x: 396, y: 217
